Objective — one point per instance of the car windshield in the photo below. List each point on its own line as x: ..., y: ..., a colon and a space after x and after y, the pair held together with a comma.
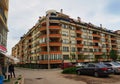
x: 116, y: 64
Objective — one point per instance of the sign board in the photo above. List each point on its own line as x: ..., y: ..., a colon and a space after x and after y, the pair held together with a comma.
x: 2, y: 49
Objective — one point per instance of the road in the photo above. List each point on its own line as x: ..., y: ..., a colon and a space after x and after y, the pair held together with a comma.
x: 53, y: 76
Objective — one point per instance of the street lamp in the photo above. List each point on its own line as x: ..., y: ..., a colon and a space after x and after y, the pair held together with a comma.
x: 47, y: 30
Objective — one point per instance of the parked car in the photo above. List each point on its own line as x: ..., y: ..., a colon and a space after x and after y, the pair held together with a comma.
x: 118, y: 62
x: 96, y: 69
x: 115, y: 66
x: 79, y: 64
x: 66, y: 65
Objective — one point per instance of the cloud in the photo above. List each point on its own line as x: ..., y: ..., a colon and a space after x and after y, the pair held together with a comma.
x: 113, y: 7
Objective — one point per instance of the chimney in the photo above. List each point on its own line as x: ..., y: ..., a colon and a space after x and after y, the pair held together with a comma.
x: 61, y: 10
x: 40, y: 17
x: 79, y: 19
x: 101, y: 25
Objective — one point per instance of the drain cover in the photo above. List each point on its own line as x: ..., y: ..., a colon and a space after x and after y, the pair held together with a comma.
x: 38, y: 78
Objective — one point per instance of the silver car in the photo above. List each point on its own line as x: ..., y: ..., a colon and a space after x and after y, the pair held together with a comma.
x: 115, y: 66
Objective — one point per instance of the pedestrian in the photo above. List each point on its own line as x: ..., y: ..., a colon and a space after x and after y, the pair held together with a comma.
x: 1, y: 75
x: 11, y: 70
x: 4, y: 71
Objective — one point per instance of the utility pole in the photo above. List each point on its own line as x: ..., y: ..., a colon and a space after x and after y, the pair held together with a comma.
x: 47, y: 30
x: 88, y: 42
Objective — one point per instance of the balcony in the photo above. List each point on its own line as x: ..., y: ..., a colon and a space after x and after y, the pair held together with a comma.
x: 56, y: 52
x: 79, y: 38
x: 43, y: 52
x: 79, y: 52
x: 106, y: 42
x: 114, y: 48
x: 113, y: 43
x: 55, y: 35
x: 95, y: 46
x: 96, y: 35
x: 113, y: 38
x: 54, y: 27
x: 80, y: 45
x: 107, y: 48
x: 50, y: 61
x: 42, y: 36
x: 43, y: 44
x: 98, y: 53
x: 96, y: 41
x: 78, y: 31
x: 42, y: 29
x: 55, y: 44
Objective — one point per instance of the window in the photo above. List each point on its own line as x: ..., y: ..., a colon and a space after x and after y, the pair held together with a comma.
x: 65, y: 57
x: 102, y: 35
x: 91, y: 50
x: 73, y: 49
x: 85, y: 50
x: 90, y: 37
x: 73, y: 42
x: 66, y: 41
x: 72, y: 27
x: 65, y: 49
x: 104, y: 46
x: 104, y: 50
x: 96, y: 50
x: 85, y: 42
x: 43, y: 40
x: 91, y: 65
x: 103, y: 39
x: 91, y: 32
x: 64, y: 26
x: 84, y: 30
x: 73, y: 35
x: 85, y: 36
x: 64, y: 33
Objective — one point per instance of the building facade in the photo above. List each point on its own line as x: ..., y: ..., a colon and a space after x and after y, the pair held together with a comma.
x: 3, y: 28
x: 57, y: 38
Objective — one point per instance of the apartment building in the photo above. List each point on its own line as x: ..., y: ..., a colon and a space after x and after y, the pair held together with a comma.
x: 3, y: 28
x: 58, y: 38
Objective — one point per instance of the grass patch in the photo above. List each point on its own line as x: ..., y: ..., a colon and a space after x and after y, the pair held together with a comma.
x: 71, y: 70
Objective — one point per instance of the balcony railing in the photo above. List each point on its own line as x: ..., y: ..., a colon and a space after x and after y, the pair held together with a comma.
x: 55, y: 35
x: 79, y: 45
x: 55, y: 44
x: 54, y: 27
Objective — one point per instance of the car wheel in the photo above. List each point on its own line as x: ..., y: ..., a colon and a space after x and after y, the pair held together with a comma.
x: 78, y: 72
x: 96, y: 74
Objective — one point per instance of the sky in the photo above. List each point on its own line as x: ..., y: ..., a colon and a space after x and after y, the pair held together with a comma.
x: 23, y: 14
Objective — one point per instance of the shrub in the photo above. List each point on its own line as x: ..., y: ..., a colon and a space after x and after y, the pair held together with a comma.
x: 71, y: 70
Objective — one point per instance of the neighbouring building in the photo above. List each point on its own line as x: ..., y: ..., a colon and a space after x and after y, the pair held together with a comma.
x: 3, y: 29
x: 57, y: 38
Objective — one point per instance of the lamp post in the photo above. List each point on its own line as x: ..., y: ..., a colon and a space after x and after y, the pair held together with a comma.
x: 47, y: 30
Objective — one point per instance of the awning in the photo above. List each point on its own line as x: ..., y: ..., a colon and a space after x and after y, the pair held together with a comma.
x: 11, y: 57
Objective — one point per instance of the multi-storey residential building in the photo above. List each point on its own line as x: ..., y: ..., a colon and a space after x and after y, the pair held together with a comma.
x: 57, y: 38
x: 3, y: 28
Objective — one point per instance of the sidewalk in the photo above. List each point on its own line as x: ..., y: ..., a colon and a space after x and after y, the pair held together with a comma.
x: 12, y: 80
x: 19, y: 79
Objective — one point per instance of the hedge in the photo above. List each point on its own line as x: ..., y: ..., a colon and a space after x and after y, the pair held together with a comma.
x: 71, y: 70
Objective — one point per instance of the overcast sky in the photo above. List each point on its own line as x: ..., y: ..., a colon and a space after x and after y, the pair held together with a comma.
x: 23, y: 14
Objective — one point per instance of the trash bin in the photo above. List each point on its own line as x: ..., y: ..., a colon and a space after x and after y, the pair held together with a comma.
x: 1, y: 79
